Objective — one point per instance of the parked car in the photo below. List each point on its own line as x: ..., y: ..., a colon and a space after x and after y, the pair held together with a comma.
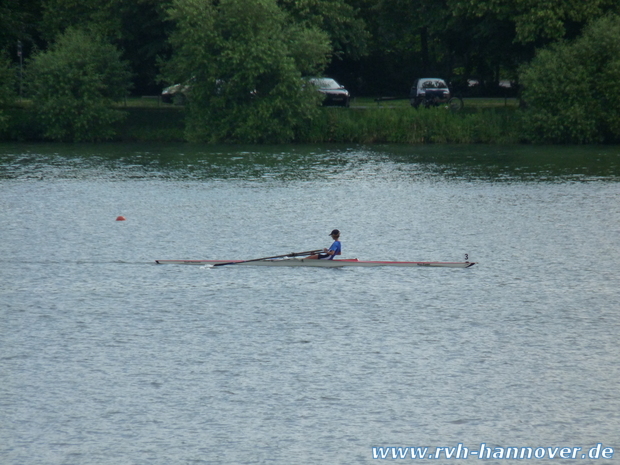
x: 334, y: 93
x: 176, y: 93
x: 432, y: 92
x: 179, y: 93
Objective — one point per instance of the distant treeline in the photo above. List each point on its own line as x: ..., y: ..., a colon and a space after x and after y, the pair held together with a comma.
x: 242, y: 60
x: 377, y: 47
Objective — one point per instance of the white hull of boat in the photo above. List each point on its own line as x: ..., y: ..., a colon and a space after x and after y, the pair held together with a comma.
x: 316, y: 263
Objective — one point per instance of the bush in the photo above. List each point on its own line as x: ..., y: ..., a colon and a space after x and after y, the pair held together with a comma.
x: 73, y: 86
x: 572, y: 89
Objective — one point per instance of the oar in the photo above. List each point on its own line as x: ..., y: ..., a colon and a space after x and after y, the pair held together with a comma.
x: 294, y: 254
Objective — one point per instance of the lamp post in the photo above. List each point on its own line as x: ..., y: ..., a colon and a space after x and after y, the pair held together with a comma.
x: 21, y: 62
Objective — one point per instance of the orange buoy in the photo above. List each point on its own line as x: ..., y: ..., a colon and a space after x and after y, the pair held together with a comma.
x: 120, y: 218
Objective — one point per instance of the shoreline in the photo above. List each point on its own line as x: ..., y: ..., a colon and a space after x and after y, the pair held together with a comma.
x: 366, y: 121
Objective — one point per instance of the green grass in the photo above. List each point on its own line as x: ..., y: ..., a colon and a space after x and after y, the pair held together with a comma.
x: 469, y: 103
x: 409, y: 126
x: 147, y: 101
x: 356, y: 103
x: 147, y: 120
x: 152, y: 123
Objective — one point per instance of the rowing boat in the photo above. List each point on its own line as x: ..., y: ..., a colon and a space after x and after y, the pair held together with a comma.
x: 315, y: 263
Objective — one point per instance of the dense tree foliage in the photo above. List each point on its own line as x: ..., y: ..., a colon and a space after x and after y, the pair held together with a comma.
x: 18, y: 21
x: 376, y: 47
x: 536, y: 20
x: 572, y: 88
x: 244, y: 60
x: 137, y: 27
x: 421, y: 38
x: 73, y: 85
x: 339, y: 19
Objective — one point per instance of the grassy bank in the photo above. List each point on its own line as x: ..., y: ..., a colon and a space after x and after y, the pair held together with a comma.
x: 153, y: 124
x: 409, y: 126
x: 367, y: 122
x: 145, y: 121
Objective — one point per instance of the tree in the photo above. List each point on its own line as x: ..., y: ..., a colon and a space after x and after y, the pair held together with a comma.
x: 419, y: 38
x: 74, y: 84
x: 482, y: 39
x: 539, y: 21
x: 572, y: 88
x: 137, y: 27
x: 245, y: 59
x: 18, y: 21
x: 338, y: 18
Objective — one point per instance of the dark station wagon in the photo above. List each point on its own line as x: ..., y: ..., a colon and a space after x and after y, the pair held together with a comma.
x: 334, y: 93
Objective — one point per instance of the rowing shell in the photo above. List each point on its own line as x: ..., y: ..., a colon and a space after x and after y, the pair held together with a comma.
x: 316, y: 263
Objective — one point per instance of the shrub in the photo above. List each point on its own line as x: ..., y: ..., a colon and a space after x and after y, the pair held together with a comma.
x: 572, y: 89
x: 73, y: 86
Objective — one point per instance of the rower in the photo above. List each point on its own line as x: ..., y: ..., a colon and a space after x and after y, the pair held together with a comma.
x: 335, y: 249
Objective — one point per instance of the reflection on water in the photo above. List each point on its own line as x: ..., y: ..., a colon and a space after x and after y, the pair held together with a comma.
x: 526, y: 163
x: 256, y: 163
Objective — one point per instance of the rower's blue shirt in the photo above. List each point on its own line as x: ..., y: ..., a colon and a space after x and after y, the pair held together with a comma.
x: 337, y: 248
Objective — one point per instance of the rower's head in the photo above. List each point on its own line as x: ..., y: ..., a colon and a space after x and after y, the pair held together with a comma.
x: 335, y: 234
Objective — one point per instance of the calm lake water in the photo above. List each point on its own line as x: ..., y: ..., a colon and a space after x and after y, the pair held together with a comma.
x: 107, y: 358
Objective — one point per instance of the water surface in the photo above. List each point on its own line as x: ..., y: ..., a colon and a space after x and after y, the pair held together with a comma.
x: 107, y: 358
